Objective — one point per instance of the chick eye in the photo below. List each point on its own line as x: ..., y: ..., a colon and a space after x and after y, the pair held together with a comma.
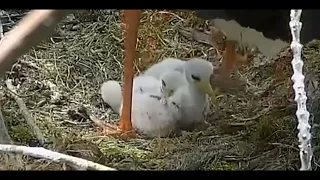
x: 196, y: 78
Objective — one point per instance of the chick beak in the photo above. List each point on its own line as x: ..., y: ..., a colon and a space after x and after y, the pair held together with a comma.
x: 206, y: 87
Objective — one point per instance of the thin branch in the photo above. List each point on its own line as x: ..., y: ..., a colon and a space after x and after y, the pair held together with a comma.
x: 39, y: 152
x: 6, y: 139
x: 4, y: 135
x: 1, y: 27
x: 26, y: 114
x: 36, y: 26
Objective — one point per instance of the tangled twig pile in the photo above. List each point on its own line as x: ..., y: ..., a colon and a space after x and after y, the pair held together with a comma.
x: 59, y: 79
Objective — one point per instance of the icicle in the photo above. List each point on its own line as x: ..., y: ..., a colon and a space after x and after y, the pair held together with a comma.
x: 302, y: 113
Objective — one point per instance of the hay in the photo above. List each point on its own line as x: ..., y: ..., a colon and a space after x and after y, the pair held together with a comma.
x: 256, y: 131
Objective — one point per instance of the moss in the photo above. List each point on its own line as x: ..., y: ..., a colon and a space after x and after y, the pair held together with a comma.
x: 225, y: 166
x: 20, y: 133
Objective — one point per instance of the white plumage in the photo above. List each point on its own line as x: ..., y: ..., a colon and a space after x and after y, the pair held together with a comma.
x: 169, y: 93
x: 149, y: 116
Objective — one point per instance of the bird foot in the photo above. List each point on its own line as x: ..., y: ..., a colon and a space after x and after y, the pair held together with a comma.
x: 115, y: 131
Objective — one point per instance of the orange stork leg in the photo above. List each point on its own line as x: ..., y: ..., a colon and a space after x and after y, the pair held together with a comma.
x: 132, y: 20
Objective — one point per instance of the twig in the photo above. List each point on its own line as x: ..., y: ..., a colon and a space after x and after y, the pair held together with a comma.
x: 261, y: 113
x: 97, y: 121
x: 284, y: 146
x: 240, y: 124
x: 28, y: 117
x: 4, y: 135
x: 77, y: 123
x: 1, y: 27
x: 6, y: 139
x: 39, y: 152
x: 36, y: 26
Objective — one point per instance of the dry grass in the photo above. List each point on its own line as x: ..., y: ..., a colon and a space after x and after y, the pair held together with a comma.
x: 255, y: 131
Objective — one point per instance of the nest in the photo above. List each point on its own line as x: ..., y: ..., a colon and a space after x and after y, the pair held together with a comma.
x: 61, y: 77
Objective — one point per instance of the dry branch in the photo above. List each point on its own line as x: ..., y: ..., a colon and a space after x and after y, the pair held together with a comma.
x: 33, y: 28
x: 39, y: 152
x: 26, y: 114
x: 1, y: 27
x: 4, y: 135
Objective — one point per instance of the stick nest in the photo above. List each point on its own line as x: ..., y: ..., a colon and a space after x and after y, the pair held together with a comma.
x: 61, y: 77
